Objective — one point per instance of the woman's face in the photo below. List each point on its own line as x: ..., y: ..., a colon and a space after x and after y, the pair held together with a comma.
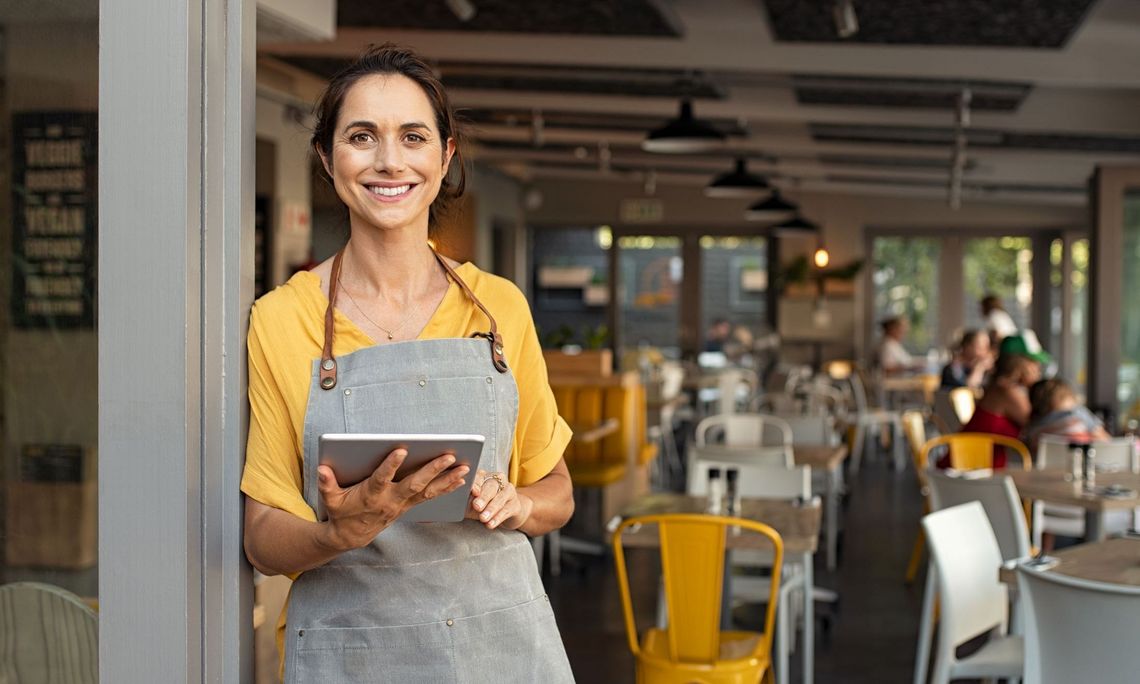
x: 387, y: 160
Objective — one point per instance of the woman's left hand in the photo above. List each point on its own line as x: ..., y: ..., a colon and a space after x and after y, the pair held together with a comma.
x: 496, y: 502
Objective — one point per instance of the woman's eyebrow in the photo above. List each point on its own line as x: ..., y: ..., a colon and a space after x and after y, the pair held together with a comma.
x: 360, y: 124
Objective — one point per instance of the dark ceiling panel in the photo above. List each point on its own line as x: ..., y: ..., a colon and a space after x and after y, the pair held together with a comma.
x: 1043, y: 188
x: 671, y: 83
x: 587, y: 120
x: 1006, y: 23
x: 910, y: 163
x: 582, y: 17
x: 975, y: 137
x: 909, y: 92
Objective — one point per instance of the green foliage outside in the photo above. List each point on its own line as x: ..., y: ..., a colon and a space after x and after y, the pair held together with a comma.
x: 906, y: 285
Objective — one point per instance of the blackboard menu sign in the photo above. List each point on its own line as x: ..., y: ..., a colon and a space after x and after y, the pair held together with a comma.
x: 51, y: 463
x: 54, y: 176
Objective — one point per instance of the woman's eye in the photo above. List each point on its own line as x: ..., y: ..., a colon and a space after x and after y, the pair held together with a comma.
x: 360, y: 138
x: 416, y: 138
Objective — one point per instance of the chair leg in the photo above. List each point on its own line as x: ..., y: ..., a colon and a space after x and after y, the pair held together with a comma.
x: 781, y: 660
x: 926, y: 627
x: 915, y: 556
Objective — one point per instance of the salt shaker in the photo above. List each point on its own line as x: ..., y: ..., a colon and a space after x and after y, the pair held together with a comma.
x: 1089, y: 466
x: 715, y: 492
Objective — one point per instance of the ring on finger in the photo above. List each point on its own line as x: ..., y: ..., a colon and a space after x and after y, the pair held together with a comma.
x: 498, y: 479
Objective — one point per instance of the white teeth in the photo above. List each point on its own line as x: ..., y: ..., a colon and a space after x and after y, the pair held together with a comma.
x: 389, y: 192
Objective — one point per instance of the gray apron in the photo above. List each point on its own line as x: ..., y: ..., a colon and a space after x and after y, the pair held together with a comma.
x: 424, y: 602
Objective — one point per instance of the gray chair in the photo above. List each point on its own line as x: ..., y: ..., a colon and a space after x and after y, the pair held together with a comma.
x: 1078, y: 630
x: 47, y: 635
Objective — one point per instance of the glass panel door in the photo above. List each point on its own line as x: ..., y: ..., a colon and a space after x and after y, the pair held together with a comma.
x: 905, y: 281
x: 1128, y: 375
x: 649, y: 293
x: 1000, y: 266
x: 734, y: 284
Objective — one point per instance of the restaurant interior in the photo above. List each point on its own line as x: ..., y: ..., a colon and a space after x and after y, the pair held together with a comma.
x: 832, y: 293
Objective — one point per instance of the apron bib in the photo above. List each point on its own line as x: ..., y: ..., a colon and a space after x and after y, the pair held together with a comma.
x: 424, y: 602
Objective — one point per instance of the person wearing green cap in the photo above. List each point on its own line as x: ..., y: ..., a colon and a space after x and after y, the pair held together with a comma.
x: 1025, y: 343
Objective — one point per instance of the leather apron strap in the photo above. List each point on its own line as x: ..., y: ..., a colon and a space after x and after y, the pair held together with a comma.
x: 328, y: 361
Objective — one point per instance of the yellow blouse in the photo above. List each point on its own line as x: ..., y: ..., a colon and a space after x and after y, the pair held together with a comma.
x: 286, y: 333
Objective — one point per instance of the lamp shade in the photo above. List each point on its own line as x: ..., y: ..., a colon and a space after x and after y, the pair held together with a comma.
x: 797, y: 225
x: 683, y: 134
x: 736, y: 183
x: 775, y: 208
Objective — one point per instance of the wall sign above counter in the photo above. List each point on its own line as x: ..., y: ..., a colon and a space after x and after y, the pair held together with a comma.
x: 54, y: 171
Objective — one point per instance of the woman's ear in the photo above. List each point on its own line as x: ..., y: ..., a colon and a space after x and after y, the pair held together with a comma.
x: 325, y: 163
x: 448, y: 153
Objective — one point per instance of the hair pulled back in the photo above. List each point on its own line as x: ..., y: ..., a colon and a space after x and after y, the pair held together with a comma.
x: 393, y: 59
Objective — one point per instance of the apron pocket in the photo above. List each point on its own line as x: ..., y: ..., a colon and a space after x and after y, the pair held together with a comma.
x: 516, y: 644
x: 351, y: 655
x: 464, y: 405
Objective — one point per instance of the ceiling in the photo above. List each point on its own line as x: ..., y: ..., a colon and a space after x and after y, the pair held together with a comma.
x: 566, y: 89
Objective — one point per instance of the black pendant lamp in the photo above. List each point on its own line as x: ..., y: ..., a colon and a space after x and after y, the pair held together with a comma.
x: 683, y: 134
x: 775, y: 208
x: 737, y: 183
x: 795, y: 226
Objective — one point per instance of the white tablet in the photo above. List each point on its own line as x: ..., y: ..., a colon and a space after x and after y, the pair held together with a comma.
x: 353, y: 458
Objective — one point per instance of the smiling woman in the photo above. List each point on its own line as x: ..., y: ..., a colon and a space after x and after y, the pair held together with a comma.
x: 426, y: 345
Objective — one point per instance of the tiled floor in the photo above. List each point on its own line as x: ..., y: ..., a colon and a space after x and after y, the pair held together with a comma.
x: 872, y: 631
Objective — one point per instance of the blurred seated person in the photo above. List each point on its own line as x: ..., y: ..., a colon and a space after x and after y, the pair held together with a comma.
x: 719, y: 332
x: 1004, y: 408
x: 999, y: 323
x: 738, y: 346
x: 1025, y: 343
x: 972, y: 360
x: 892, y: 356
x: 1055, y: 411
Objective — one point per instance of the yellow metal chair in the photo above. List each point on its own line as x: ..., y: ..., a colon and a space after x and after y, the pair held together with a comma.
x: 914, y: 427
x: 975, y: 450
x: 693, y: 648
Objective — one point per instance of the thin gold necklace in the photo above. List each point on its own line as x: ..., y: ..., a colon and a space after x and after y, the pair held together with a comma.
x: 390, y: 333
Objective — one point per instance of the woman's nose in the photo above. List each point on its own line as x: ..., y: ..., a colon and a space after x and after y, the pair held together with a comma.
x: 389, y: 157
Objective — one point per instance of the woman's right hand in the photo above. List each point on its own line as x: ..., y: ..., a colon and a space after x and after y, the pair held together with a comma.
x: 360, y: 512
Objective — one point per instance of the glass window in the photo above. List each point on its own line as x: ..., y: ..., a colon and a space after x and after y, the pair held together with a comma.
x: 649, y: 287
x: 571, y: 286
x: 734, y: 284
x: 49, y: 95
x: 1128, y: 386
x: 1000, y: 266
x: 906, y: 285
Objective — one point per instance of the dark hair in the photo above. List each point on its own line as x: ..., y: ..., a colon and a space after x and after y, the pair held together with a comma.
x: 1045, y: 393
x: 887, y: 324
x: 393, y: 59
x: 991, y: 302
x: 1011, y: 366
x: 968, y: 338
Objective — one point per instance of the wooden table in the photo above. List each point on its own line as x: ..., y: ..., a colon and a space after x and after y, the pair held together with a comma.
x: 1116, y: 561
x: 1057, y: 487
x: 797, y: 524
x: 926, y: 383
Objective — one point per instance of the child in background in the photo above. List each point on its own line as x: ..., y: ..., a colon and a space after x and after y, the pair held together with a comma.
x: 1055, y: 411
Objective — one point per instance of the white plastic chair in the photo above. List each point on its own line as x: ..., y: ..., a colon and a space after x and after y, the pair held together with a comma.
x: 1078, y: 630
x: 964, y: 563
x: 762, y: 482
x: 868, y: 420
x: 47, y: 635
x: 998, y: 496
x: 745, y: 429
x: 1053, y: 453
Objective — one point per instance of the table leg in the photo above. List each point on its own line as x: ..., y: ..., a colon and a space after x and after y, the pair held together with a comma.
x: 809, y: 621
x: 1094, y: 526
x: 832, y: 531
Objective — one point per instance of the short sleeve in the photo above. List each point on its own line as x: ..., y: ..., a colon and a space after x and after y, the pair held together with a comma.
x: 272, y: 472
x: 541, y: 435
